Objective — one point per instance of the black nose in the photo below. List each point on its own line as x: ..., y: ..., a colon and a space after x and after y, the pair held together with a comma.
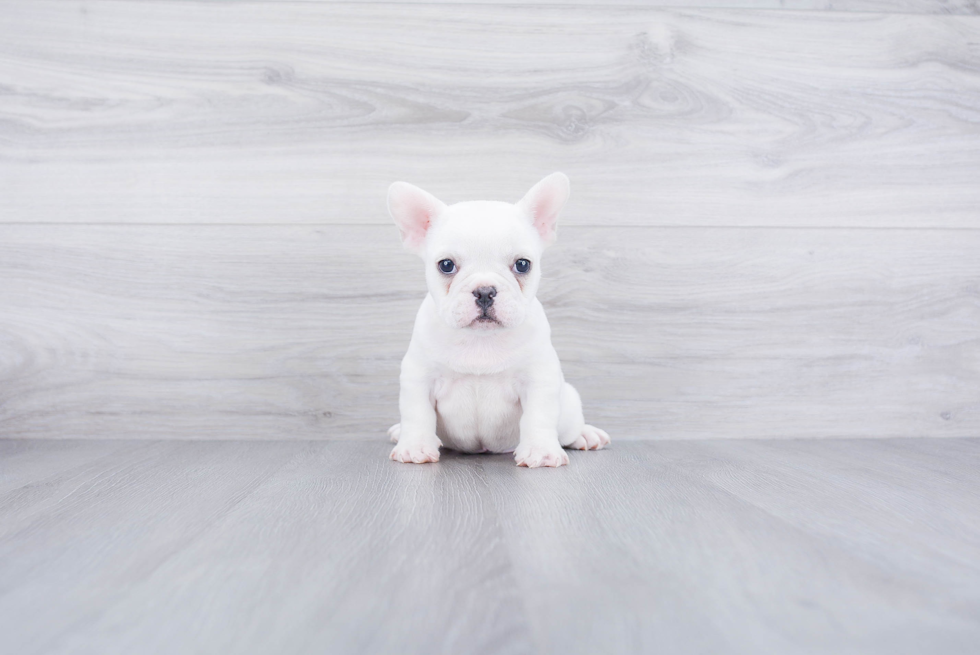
x: 484, y: 296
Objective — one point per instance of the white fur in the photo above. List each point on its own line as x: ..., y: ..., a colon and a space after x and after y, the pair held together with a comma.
x: 490, y: 385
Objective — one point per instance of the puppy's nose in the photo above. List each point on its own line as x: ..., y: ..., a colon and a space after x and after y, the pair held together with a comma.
x: 484, y: 296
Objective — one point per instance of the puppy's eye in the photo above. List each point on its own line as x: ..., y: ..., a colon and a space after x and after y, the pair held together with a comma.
x: 447, y: 266
x: 522, y: 266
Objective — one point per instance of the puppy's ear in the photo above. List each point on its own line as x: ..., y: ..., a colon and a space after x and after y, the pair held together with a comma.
x: 413, y: 211
x: 543, y: 202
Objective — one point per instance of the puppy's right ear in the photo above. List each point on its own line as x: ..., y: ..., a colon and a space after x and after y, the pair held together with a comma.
x: 413, y: 211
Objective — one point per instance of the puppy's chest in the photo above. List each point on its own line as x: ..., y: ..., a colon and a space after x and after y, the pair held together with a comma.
x: 473, y: 392
x: 478, y: 412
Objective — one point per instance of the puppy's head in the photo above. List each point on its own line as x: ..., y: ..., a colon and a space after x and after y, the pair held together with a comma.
x: 482, y: 259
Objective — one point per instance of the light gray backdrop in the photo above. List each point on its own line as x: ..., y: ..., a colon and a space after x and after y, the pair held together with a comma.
x: 774, y: 228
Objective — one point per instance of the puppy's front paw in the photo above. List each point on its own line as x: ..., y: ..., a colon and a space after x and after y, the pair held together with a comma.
x: 533, y: 455
x: 592, y: 438
x: 416, y: 451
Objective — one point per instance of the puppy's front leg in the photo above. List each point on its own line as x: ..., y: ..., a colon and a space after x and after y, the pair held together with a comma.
x: 539, y: 444
x: 417, y: 441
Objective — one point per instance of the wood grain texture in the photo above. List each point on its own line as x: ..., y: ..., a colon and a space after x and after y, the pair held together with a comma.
x: 821, y: 546
x: 969, y: 7
x: 691, y: 534
x: 297, y: 112
x: 249, y: 332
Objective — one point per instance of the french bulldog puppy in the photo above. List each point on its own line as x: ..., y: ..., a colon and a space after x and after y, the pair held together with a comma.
x: 480, y: 374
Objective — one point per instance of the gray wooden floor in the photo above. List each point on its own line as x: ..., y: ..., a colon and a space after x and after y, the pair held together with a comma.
x: 749, y: 546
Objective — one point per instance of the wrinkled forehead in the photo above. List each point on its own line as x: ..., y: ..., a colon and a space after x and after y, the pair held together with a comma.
x: 483, y: 229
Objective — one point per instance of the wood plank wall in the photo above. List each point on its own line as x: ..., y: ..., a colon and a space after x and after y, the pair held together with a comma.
x: 774, y: 228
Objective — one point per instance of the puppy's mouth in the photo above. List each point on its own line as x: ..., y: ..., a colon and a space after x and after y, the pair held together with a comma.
x: 485, y: 319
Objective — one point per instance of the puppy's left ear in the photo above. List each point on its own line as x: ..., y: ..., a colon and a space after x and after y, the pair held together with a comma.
x: 543, y: 202
x: 413, y: 211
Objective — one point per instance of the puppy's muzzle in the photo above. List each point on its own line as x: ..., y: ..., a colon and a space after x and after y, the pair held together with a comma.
x: 484, y: 297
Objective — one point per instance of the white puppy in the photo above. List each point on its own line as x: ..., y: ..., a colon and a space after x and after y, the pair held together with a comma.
x: 480, y: 374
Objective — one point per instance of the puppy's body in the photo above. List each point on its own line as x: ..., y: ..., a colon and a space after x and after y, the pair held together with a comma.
x: 480, y: 373
x: 477, y: 380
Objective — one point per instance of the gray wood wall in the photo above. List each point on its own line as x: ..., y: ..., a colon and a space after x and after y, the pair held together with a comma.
x: 774, y: 228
